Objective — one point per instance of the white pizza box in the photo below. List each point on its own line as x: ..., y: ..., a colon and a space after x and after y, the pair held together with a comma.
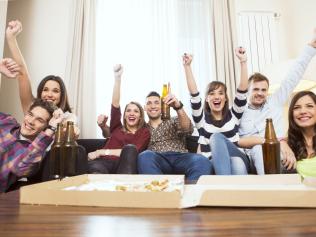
x: 285, y: 190
x: 280, y: 190
x: 54, y: 193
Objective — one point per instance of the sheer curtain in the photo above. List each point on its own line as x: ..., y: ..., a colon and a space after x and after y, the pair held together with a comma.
x: 148, y: 37
x: 80, y: 68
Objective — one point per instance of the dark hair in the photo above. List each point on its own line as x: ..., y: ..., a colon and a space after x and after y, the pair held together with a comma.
x: 63, y: 103
x: 153, y: 93
x: 211, y: 87
x: 296, y: 139
x: 141, y: 122
x: 48, y: 106
x: 256, y: 77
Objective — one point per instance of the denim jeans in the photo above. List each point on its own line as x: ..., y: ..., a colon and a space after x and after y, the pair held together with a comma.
x: 255, y: 153
x: 227, y: 159
x: 191, y: 164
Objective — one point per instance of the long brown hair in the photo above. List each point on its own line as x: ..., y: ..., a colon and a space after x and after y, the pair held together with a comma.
x: 63, y: 103
x: 296, y: 139
x: 141, y: 122
x: 211, y: 87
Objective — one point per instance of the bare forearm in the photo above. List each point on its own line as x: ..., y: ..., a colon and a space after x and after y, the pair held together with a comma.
x: 243, y: 85
x: 249, y: 142
x: 184, y: 120
x: 25, y: 89
x: 116, y: 93
x: 190, y: 80
x: 109, y: 152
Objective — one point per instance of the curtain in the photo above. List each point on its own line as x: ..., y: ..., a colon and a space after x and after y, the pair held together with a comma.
x: 149, y: 37
x: 80, y: 68
x: 224, y: 27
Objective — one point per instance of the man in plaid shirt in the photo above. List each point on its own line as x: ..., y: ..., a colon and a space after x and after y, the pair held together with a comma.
x: 23, y: 146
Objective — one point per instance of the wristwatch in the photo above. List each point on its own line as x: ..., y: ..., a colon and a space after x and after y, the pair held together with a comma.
x: 106, y: 152
x: 52, y: 128
x: 180, y: 106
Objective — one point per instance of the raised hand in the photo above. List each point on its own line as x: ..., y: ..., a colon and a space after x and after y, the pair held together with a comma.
x: 56, y: 118
x: 313, y: 41
x: 241, y: 54
x: 118, y: 71
x: 9, y: 67
x: 102, y: 119
x: 14, y: 28
x: 172, y: 101
x: 187, y: 59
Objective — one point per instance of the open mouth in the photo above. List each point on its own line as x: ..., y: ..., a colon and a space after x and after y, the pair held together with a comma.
x: 131, y: 119
x: 217, y: 104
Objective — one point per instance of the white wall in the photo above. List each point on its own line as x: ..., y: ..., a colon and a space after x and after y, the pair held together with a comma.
x: 3, y: 14
x: 43, y: 43
x: 295, y: 26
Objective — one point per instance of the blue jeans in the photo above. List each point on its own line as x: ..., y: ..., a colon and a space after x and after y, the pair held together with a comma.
x: 191, y: 164
x: 227, y: 159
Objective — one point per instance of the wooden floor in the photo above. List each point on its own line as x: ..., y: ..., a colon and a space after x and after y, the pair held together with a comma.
x: 28, y: 220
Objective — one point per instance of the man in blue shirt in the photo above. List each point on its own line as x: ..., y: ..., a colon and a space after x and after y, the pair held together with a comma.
x: 261, y: 106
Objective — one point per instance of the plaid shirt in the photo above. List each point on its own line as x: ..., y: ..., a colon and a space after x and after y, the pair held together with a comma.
x: 18, y: 157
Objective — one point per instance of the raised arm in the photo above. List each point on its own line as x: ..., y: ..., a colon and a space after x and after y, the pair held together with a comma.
x: 25, y: 90
x: 187, y: 59
x: 242, y: 56
x: 118, y: 70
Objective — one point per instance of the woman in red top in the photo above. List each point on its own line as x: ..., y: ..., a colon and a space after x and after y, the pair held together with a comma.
x: 119, y: 155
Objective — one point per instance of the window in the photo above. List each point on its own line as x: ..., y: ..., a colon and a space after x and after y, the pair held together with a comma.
x: 148, y: 37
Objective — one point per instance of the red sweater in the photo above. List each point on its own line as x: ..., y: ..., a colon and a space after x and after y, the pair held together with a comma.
x: 119, y: 138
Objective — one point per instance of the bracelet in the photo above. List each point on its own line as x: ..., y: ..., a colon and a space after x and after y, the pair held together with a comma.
x: 51, y: 128
x: 284, y: 139
x: 180, y: 107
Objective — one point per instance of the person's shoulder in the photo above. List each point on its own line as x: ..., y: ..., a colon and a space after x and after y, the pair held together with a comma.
x: 7, y: 117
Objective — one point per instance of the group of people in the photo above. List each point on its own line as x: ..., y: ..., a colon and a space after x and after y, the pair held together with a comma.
x: 229, y: 140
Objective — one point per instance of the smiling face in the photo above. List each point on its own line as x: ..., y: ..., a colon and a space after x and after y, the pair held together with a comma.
x: 153, y: 107
x: 304, y: 112
x: 216, y: 99
x: 133, y: 116
x: 34, y: 122
x: 51, y: 92
x: 258, y: 93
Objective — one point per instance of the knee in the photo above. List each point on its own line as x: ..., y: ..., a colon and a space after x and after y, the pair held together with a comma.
x: 96, y: 167
x: 216, y: 137
x: 146, y: 156
x: 130, y: 147
x: 238, y: 166
x: 201, y: 160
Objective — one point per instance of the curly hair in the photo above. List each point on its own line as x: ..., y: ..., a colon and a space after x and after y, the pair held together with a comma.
x: 296, y: 139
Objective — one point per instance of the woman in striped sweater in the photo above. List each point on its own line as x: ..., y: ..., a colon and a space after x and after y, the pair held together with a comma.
x: 218, y: 124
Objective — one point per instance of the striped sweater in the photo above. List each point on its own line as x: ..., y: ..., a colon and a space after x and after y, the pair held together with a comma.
x: 228, y: 126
